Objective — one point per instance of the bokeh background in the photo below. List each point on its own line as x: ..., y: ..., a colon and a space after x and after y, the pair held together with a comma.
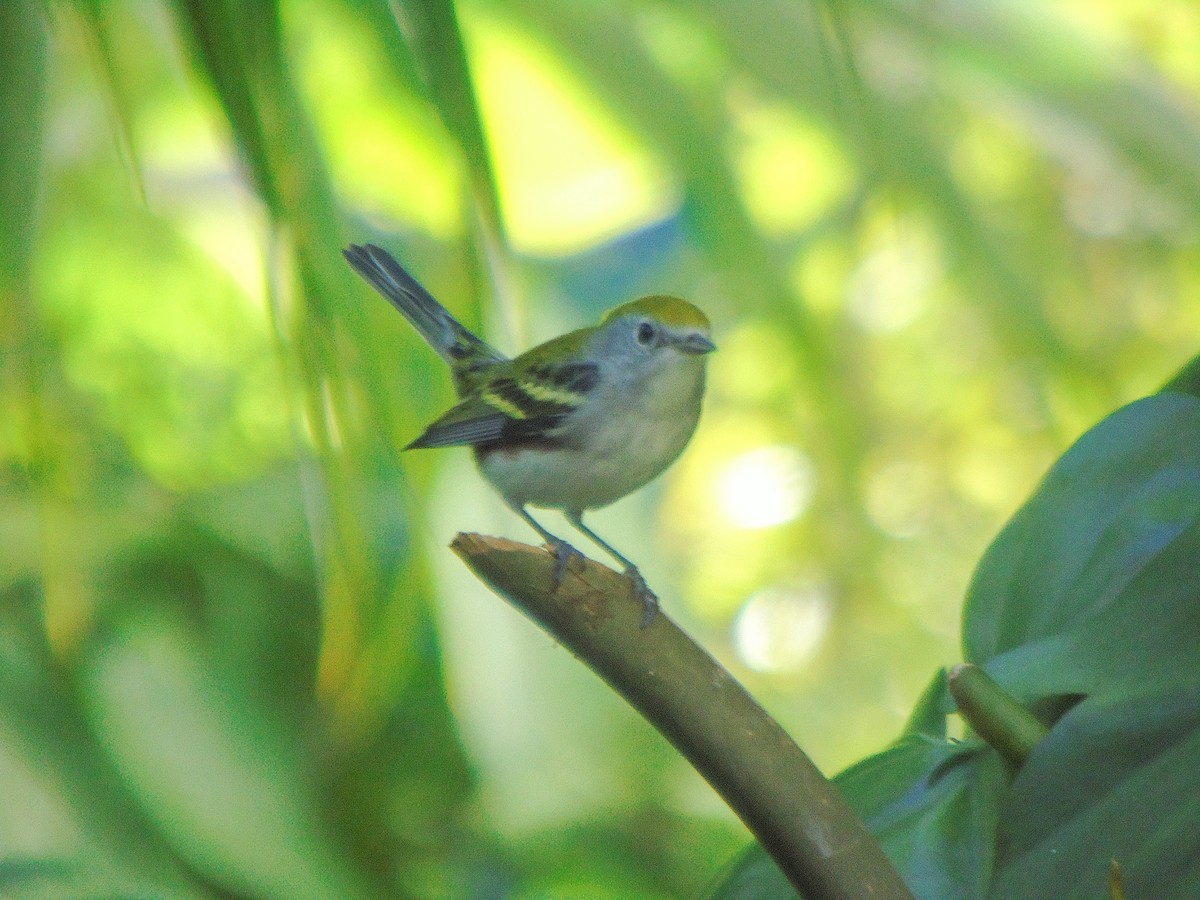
x: 237, y: 659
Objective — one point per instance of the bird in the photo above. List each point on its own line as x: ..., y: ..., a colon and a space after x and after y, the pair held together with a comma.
x: 573, y: 424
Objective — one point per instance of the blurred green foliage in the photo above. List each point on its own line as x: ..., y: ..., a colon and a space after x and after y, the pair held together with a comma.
x: 236, y: 658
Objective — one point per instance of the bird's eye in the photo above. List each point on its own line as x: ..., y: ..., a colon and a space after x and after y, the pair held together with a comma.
x: 645, y: 334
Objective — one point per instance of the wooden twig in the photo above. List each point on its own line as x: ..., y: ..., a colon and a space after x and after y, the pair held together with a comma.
x: 797, y: 815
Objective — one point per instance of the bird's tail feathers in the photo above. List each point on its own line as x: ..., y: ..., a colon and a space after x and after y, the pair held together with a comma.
x: 449, y: 337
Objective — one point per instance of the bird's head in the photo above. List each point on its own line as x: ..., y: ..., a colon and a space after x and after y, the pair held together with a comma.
x: 657, y: 328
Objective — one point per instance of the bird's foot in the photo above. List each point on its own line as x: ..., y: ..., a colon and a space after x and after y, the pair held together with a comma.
x: 563, y: 554
x: 642, y: 591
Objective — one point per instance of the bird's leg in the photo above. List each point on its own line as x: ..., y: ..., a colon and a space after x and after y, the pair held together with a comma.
x: 562, y: 550
x: 641, y: 590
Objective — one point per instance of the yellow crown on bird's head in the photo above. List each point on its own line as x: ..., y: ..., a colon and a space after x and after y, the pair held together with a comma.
x: 671, y: 311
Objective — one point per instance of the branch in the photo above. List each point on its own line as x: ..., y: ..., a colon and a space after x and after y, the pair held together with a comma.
x: 797, y: 815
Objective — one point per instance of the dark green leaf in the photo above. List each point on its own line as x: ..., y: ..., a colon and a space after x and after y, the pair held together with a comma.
x: 1108, y: 509
x: 1117, y: 779
x: 928, y: 717
x: 22, y: 102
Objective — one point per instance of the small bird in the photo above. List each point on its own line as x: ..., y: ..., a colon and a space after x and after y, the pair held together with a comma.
x: 575, y: 423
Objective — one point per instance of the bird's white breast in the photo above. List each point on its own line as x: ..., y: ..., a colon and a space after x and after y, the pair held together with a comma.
x: 629, y: 431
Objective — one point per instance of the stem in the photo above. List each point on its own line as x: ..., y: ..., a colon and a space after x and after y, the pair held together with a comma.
x: 797, y: 815
x: 996, y: 717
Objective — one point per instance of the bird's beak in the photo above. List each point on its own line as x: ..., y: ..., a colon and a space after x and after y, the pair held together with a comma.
x: 695, y: 344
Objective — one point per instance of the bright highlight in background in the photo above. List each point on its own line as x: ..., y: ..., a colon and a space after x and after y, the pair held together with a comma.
x: 781, y: 629
x: 891, y: 288
x: 570, y: 174
x: 899, y: 497
x: 765, y: 487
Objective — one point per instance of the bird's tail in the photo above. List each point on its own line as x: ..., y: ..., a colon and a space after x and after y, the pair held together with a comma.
x: 453, y: 342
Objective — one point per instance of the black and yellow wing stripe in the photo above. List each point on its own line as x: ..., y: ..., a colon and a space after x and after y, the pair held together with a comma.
x: 508, y: 410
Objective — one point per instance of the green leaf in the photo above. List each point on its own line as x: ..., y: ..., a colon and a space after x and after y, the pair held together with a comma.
x: 1148, y: 632
x: 1117, y: 779
x: 928, y: 717
x: 42, y: 724
x: 212, y: 769
x: 933, y: 806
x: 1094, y: 544
x: 1186, y: 380
x: 1091, y: 590
x: 23, y: 74
x: 438, y: 48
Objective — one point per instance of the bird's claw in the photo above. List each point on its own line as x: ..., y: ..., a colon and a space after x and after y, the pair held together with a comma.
x: 642, y: 591
x: 563, y: 554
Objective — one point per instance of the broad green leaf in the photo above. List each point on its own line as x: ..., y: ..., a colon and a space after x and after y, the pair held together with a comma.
x: 1091, y: 590
x: 1105, y: 513
x: 41, y: 722
x: 932, y: 805
x: 1146, y: 635
x: 928, y: 717
x: 1186, y: 380
x: 212, y: 769
x: 1117, y: 779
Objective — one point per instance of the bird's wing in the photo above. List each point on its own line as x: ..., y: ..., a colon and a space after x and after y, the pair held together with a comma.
x: 508, y: 410
x: 471, y: 422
